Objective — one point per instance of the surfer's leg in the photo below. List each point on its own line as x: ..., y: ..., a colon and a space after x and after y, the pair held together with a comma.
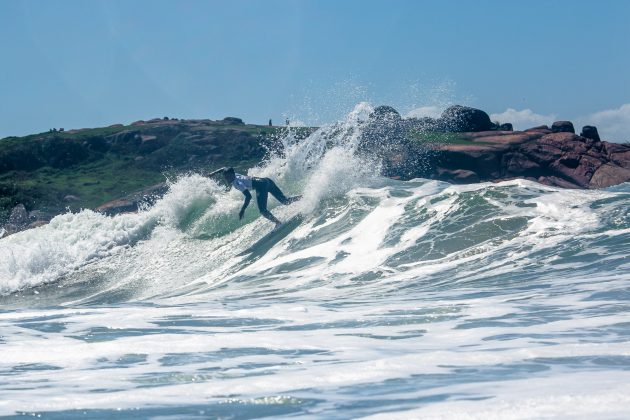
x: 261, y: 200
x: 275, y: 191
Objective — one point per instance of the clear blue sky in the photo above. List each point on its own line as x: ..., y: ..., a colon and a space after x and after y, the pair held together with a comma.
x: 92, y: 63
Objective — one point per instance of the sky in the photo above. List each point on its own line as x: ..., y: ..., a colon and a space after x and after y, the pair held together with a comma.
x: 77, y: 63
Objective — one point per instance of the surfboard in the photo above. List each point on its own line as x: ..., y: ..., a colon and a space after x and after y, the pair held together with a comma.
x: 265, y: 243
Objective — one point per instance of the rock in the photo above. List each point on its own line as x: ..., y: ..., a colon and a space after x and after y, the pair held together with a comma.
x: 518, y: 164
x: 609, y: 174
x: 134, y: 201
x: 39, y: 215
x: 560, y: 159
x: 114, y: 207
x: 424, y: 124
x: 19, y: 216
x: 506, y: 127
x: 7, y: 230
x: 619, y: 154
x: 580, y: 173
x: 554, y: 181
x: 590, y: 132
x: 463, y: 118
x: 37, y: 223
x: 71, y: 197
x: 458, y: 176
x: 383, y: 128
x: 538, y: 128
x: 139, y: 122
x: 233, y: 121
x: 20, y: 220
x: 541, y: 129
x: 385, y: 113
x: 562, y: 127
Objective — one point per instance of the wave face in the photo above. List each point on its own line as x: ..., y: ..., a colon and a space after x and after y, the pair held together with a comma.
x: 386, y: 299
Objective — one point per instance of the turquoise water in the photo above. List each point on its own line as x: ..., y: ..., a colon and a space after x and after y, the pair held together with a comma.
x: 389, y: 299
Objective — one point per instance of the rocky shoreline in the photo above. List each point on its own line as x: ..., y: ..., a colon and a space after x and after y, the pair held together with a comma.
x: 473, y: 149
x: 462, y: 146
x: 561, y: 159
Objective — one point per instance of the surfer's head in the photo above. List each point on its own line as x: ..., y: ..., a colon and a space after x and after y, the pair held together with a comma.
x: 229, y: 174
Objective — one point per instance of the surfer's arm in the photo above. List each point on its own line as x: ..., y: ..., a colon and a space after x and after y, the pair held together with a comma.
x: 248, y: 198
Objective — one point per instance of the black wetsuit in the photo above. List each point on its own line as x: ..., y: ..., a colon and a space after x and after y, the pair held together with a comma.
x: 264, y: 187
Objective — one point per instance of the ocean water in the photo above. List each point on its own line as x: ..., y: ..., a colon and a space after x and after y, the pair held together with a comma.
x: 387, y: 299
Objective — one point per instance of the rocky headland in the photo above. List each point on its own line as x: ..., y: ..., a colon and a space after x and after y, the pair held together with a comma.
x: 114, y: 169
x: 464, y: 146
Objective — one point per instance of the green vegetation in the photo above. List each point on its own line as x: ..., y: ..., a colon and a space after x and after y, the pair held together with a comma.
x: 92, y: 183
x: 439, y: 137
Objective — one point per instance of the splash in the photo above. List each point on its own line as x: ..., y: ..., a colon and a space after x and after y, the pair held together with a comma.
x: 323, y: 165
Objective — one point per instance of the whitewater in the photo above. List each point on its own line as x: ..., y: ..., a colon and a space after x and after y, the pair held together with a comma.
x: 389, y: 299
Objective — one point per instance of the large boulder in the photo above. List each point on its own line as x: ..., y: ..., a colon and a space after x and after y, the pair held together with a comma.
x: 39, y: 215
x: 619, y: 154
x: 590, y: 132
x: 463, y: 118
x: 561, y: 159
x: 424, y: 124
x: 385, y: 113
x: 19, y: 216
x: 562, y: 127
x: 609, y: 174
x: 134, y: 201
x: 385, y: 136
x: 114, y: 207
x: 18, y: 220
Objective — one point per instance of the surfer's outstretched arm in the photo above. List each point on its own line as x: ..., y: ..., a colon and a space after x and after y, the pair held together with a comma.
x: 248, y: 198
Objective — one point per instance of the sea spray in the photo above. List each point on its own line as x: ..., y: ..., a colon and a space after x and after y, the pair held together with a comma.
x: 326, y: 164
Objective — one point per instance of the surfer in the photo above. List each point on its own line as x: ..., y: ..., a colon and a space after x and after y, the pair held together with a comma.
x: 262, y: 186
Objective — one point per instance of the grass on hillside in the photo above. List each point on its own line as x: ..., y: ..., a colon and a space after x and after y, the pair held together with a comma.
x: 439, y: 138
x: 93, y: 183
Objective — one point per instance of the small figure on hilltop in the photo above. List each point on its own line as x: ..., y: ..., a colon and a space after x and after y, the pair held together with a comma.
x: 262, y: 186
x: 270, y: 124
